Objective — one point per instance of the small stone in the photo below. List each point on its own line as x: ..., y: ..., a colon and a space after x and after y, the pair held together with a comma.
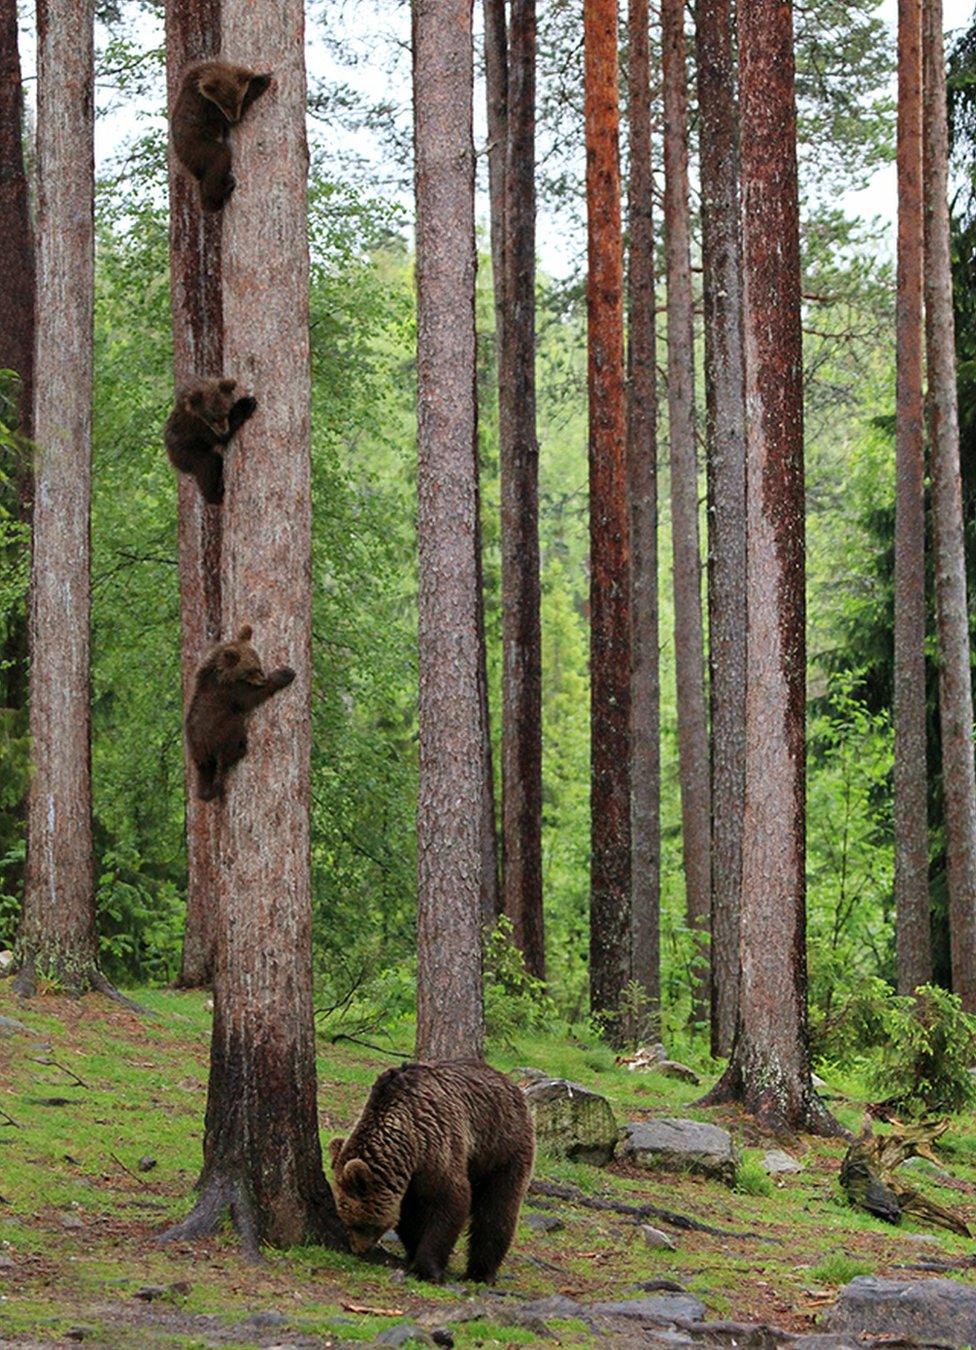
x: 146, y: 1163
x: 817, y: 1082
x: 266, y: 1317
x: 655, y: 1239
x: 571, y: 1121
x: 544, y: 1223
x: 672, y: 1068
x: 775, y: 1161
x: 6, y: 1263
x: 553, y: 1305
x: 71, y: 1222
x: 686, y: 1145
x: 664, y: 1308
x: 922, y: 1239
x: 442, y: 1336
x: 10, y: 1025
x: 150, y: 1292
x: 402, y: 1333
x: 78, y: 1333
x: 6, y: 962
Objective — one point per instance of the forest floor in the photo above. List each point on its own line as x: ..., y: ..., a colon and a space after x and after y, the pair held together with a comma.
x: 92, y: 1092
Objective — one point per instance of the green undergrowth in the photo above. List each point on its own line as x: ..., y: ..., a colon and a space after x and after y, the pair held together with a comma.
x: 95, y: 1092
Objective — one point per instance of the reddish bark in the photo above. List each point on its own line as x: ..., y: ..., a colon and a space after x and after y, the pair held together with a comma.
x: 952, y: 619
x: 192, y: 34
x: 262, y: 1157
x: 770, y: 1068
x: 910, y: 794
x: 725, y: 437
x: 57, y: 930
x: 519, y: 463
x: 645, y: 680
x: 449, y: 999
x: 689, y: 651
x: 610, y: 864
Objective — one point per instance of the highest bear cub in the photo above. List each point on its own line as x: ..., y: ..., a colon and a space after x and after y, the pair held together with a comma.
x: 206, y: 416
x: 213, y: 97
x: 229, y: 685
x: 435, y: 1144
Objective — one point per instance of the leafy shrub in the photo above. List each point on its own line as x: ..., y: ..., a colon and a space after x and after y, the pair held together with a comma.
x: 853, y: 1024
x: 515, y: 1001
x: 929, y: 1048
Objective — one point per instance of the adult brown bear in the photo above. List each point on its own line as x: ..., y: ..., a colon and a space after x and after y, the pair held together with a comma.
x: 435, y: 1145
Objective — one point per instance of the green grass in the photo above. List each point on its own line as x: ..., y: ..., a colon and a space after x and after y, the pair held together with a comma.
x: 839, y: 1268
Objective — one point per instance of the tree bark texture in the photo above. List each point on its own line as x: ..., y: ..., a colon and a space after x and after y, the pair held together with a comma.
x: 57, y: 930
x: 193, y: 34
x: 610, y: 663
x: 910, y: 786
x: 645, y: 680
x: 689, y: 651
x: 952, y: 619
x: 449, y: 997
x: 770, y: 1070
x: 519, y: 462
x: 262, y: 1157
x: 17, y: 278
x: 725, y: 437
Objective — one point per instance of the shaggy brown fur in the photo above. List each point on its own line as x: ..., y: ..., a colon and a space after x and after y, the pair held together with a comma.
x: 213, y: 97
x: 206, y: 416
x: 230, y: 684
x: 435, y: 1144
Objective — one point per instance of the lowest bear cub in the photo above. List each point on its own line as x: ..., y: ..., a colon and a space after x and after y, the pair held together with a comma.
x: 435, y: 1144
x: 229, y: 685
x: 213, y: 97
x: 206, y: 415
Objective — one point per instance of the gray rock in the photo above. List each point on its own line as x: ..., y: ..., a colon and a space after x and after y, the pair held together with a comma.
x: 571, y: 1121
x: 673, y: 1068
x: 925, y: 1165
x: 402, y: 1333
x: 774, y: 1161
x: 553, y: 1305
x: 922, y: 1239
x: 544, y: 1223
x: 817, y: 1081
x: 10, y: 1025
x: 6, y: 962
x: 70, y: 1221
x: 663, y: 1308
x: 654, y: 1238
x: 940, y: 1311
x: 265, y: 1318
x: 681, y: 1144
x: 527, y: 1075
x: 146, y: 1163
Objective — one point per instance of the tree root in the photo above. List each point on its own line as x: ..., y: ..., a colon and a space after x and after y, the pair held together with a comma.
x: 219, y: 1195
x: 768, y: 1113
x: 684, y: 1221
x: 25, y: 986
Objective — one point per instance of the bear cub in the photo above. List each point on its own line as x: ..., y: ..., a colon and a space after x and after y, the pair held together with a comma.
x: 230, y: 684
x: 206, y: 416
x: 435, y: 1145
x: 213, y: 97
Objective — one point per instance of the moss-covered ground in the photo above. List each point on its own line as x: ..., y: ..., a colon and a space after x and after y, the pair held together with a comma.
x: 93, y: 1091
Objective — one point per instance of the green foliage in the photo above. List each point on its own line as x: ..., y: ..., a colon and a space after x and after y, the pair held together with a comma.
x: 751, y: 1179
x: 839, y: 1268
x: 515, y: 1002
x: 928, y: 1051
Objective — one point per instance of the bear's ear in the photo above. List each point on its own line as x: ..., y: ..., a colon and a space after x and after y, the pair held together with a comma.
x: 357, y: 1177
x: 335, y: 1148
x: 228, y: 386
x: 245, y: 634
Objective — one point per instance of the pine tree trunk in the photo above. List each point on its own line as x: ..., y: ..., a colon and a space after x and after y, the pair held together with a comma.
x: 769, y: 1071
x: 952, y: 619
x: 910, y: 789
x: 688, y: 638
x: 645, y: 680
x: 725, y: 437
x: 57, y: 931
x: 193, y: 33
x: 262, y: 1157
x: 449, y: 998
x: 610, y: 865
x: 519, y: 462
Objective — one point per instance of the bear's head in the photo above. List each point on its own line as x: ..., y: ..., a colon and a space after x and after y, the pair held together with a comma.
x: 367, y: 1205
x: 211, y: 401
x: 237, y: 661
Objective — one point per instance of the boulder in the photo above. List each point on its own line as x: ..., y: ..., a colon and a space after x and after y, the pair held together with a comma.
x: 687, y: 1145
x: 939, y: 1311
x: 673, y: 1068
x: 775, y: 1161
x: 571, y: 1121
x: 544, y: 1223
x: 661, y: 1309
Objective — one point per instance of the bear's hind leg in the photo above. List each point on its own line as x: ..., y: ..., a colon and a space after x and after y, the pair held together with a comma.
x: 495, y: 1202
x: 445, y: 1219
x: 209, y: 474
x: 217, y: 182
x: 207, y: 787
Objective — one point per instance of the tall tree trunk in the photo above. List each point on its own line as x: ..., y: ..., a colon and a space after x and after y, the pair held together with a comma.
x: 689, y: 651
x: 726, y: 448
x: 17, y: 286
x: 519, y: 460
x: 449, y: 998
x: 193, y: 33
x: 610, y: 864
x: 769, y: 1071
x: 911, y: 801
x: 262, y: 1157
x: 645, y: 680
x: 955, y: 683
x: 57, y: 930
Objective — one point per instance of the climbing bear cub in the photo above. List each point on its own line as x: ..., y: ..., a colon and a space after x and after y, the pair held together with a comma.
x: 206, y: 415
x: 213, y: 97
x: 229, y: 685
x: 435, y: 1144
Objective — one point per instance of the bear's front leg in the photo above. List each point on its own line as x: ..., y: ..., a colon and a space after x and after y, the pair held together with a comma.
x: 447, y: 1213
x: 239, y: 413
